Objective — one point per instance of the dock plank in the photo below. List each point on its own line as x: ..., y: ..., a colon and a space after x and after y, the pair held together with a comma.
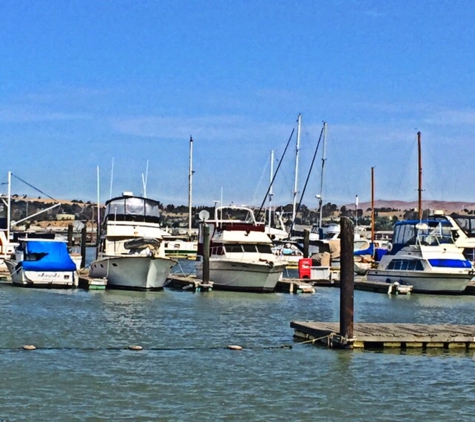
x: 393, y: 335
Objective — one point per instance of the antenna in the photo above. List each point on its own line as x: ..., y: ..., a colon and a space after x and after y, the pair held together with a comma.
x: 297, y: 151
x: 112, y: 177
x: 98, y: 214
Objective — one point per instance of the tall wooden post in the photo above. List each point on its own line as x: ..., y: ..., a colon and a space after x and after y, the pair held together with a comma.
x: 347, y: 281
x: 83, y: 245
x: 206, y: 244
x: 70, y: 235
x: 306, y: 243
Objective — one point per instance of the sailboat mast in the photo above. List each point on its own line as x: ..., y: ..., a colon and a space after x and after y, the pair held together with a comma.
x: 372, y: 204
x: 190, y: 186
x: 297, y: 151
x: 321, y: 174
x: 419, y: 201
x: 271, y: 190
x: 9, y: 204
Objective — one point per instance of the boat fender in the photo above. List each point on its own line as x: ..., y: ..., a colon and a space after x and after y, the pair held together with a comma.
x: 389, y: 246
x: 270, y: 264
x: 29, y: 347
x: 234, y: 347
x: 135, y: 347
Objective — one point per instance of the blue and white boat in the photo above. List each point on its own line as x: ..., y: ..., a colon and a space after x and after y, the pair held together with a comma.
x: 42, y: 263
x: 424, y: 255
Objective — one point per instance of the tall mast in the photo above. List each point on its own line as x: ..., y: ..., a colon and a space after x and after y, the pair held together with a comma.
x: 321, y: 174
x: 190, y: 186
x: 271, y: 191
x: 112, y: 179
x: 419, y: 201
x: 372, y: 204
x: 356, y: 211
x: 9, y: 203
x: 98, y: 229
x: 297, y: 151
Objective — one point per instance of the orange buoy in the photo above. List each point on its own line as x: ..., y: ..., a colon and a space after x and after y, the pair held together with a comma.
x: 234, y: 347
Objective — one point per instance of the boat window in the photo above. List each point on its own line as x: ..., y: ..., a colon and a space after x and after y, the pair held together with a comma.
x: 152, y: 209
x: 406, y: 265
x: 264, y: 249
x: 134, y: 206
x: 404, y: 233
x: 116, y: 207
x: 466, y: 223
x: 233, y: 248
x: 249, y: 248
x: 469, y: 254
x: 217, y: 250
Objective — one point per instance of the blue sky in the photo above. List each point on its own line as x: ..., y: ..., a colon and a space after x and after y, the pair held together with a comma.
x: 85, y: 83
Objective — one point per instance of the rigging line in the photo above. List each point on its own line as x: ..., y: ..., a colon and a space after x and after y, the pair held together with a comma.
x: 264, y: 170
x: 31, y: 186
x: 308, y: 177
x: 275, y: 174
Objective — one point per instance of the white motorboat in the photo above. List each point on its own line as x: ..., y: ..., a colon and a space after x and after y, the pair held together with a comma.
x: 463, y: 231
x: 240, y: 256
x: 423, y: 254
x: 42, y: 263
x: 131, y: 253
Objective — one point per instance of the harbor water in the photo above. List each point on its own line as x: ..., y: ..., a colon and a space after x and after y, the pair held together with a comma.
x: 82, y: 369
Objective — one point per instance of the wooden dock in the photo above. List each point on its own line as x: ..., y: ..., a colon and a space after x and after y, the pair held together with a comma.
x: 287, y: 285
x: 190, y: 282
x: 360, y: 284
x: 387, y: 335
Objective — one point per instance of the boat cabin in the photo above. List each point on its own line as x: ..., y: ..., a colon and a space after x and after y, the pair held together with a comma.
x: 132, y: 208
x: 424, y: 233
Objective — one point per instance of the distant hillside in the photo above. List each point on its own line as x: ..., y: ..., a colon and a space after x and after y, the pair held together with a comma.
x: 447, y: 206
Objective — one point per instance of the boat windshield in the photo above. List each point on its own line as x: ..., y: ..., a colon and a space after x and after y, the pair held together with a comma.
x: 466, y: 224
x: 128, y: 207
x: 435, y: 235
x: 428, y: 233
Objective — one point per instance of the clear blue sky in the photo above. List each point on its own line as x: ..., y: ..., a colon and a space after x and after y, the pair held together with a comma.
x: 85, y: 82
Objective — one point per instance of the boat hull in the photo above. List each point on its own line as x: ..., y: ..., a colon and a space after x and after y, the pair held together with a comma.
x: 424, y: 282
x: 134, y: 272
x: 242, y: 276
x: 47, y: 279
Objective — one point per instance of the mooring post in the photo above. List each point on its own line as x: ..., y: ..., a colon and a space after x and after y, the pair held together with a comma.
x: 306, y: 243
x: 70, y: 235
x: 347, y: 280
x: 206, y: 253
x: 83, y: 246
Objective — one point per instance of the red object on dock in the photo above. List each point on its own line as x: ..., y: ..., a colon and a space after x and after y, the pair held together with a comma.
x: 305, y: 267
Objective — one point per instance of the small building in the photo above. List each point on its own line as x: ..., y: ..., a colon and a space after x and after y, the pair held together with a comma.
x: 61, y: 217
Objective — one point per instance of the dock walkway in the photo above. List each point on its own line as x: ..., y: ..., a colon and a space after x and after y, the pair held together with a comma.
x: 388, y: 335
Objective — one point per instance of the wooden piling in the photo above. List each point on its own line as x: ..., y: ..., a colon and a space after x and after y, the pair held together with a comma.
x: 206, y: 246
x: 306, y: 243
x: 83, y: 246
x: 70, y: 235
x: 347, y: 281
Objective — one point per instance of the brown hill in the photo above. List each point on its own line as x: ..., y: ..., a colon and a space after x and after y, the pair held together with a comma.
x: 446, y: 206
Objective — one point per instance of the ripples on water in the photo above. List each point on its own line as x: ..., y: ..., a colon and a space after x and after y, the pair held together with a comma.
x: 83, y: 371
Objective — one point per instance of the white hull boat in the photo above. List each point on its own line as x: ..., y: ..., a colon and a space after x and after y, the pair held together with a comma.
x: 131, y: 253
x: 424, y: 255
x: 42, y: 263
x: 132, y: 272
x: 242, y: 276
x: 240, y: 255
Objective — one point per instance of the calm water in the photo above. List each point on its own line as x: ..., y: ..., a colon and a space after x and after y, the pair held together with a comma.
x: 82, y: 370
